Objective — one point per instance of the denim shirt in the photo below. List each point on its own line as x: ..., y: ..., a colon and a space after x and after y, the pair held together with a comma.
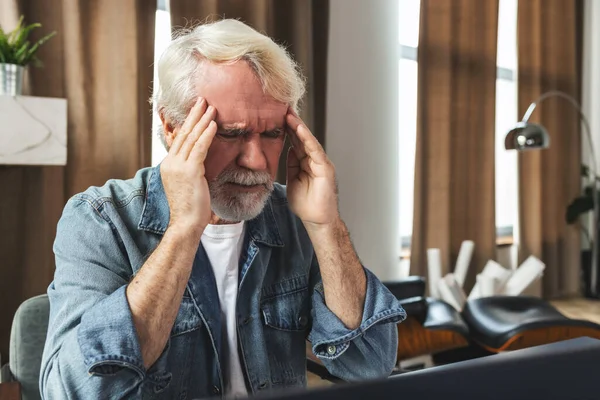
x: 92, y: 350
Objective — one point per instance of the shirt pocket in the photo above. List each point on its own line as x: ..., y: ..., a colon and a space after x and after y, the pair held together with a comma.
x: 170, y: 376
x: 188, y: 319
x: 285, y: 310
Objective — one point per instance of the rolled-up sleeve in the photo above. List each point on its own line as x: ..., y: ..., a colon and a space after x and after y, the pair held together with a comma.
x: 92, y: 349
x: 367, y: 352
x: 107, y: 337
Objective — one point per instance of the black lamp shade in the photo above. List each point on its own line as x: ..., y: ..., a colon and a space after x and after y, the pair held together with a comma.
x: 526, y: 136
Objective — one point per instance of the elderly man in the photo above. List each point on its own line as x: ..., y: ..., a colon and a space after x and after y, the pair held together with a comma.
x: 202, y: 276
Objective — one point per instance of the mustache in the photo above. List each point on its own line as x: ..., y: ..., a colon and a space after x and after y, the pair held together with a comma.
x: 245, y: 177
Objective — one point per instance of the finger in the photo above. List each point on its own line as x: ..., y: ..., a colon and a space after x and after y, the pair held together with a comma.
x: 296, y: 143
x: 306, y: 167
x: 307, y: 141
x: 293, y: 167
x: 198, y: 130
x: 292, y: 122
x: 190, y: 121
x: 292, y: 160
x: 291, y: 111
x: 200, y: 149
x: 299, y: 163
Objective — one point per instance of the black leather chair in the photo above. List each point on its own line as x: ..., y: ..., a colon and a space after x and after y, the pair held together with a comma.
x: 431, y: 325
x: 486, y: 326
x: 501, y: 323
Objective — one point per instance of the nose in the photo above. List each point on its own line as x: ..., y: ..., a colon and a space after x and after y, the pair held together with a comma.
x: 252, y: 155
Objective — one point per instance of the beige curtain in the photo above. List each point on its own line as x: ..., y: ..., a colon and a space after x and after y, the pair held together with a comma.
x: 454, y: 173
x: 101, y: 62
x: 549, y: 60
x: 301, y: 25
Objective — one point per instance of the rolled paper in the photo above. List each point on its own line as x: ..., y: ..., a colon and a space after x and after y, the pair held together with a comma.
x: 527, y: 273
x: 451, y: 292
x: 500, y: 274
x: 463, y: 261
x: 475, y: 292
x: 486, y: 285
x: 495, y: 271
x: 434, y: 269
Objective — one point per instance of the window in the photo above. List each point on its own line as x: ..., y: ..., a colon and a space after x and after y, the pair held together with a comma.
x: 506, y: 116
x: 507, y: 199
x: 407, y: 111
x: 162, y: 37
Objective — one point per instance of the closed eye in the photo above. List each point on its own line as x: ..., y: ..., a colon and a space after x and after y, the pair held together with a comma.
x: 232, y: 133
x: 273, y: 134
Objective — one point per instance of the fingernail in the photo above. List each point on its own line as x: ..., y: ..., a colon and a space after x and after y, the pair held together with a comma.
x: 200, y: 100
x: 210, y: 109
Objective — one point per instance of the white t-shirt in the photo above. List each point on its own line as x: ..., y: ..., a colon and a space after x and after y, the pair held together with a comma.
x: 223, y: 245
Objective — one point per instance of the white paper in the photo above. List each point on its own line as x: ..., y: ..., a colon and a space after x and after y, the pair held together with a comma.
x: 499, y: 276
x: 434, y: 269
x: 527, y: 273
x: 463, y: 261
x: 451, y: 292
x: 475, y: 292
x: 487, y: 285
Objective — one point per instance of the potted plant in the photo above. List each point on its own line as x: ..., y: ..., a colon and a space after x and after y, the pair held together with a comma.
x: 16, y: 52
x: 580, y: 206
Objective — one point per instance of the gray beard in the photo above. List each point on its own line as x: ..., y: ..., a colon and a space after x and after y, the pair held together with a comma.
x: 238, y: 206
x: 233, y: 206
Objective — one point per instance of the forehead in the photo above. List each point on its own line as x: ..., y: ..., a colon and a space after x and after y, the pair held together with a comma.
x: 236, y: 93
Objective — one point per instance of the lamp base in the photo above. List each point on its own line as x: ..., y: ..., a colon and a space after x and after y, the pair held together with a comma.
x: 586, y: 276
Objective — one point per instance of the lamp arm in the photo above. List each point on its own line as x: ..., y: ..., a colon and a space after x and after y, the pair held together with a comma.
x: 593, y: 172
x: 584, y: 120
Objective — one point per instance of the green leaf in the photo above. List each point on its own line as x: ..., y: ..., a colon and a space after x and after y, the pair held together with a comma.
x: 584, y: 170
x: 579, y: 206
x: 21, y: 54
x: 22, y: 37
x: 13, y: 34
x: 36, y: 46
x: 15, y: 47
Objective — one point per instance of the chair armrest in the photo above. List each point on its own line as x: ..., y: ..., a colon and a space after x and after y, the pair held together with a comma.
x: 441, y: 315
x: 10, y: 391
x: 412, y: 286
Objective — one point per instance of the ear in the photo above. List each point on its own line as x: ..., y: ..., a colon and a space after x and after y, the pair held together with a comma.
x: 168, y: 129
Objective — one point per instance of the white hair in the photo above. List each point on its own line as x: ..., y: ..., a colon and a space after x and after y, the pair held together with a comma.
x: 224, y: 41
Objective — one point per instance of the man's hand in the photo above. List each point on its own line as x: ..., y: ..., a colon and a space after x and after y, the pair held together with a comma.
x: 155, y: 293
x: 312, y: 195
x: 311, y: 186
x: 182, y: 170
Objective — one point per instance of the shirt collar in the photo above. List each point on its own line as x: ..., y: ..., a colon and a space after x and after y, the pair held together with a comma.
x: 155, y: 215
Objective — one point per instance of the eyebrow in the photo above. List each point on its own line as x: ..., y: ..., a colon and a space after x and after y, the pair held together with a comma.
x: 235, y: 131
x: 245, y: 131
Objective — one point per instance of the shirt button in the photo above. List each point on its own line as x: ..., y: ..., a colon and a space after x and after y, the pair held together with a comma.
x: 331, y: 350
x: 302, y: 320
x: 216, y: 390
